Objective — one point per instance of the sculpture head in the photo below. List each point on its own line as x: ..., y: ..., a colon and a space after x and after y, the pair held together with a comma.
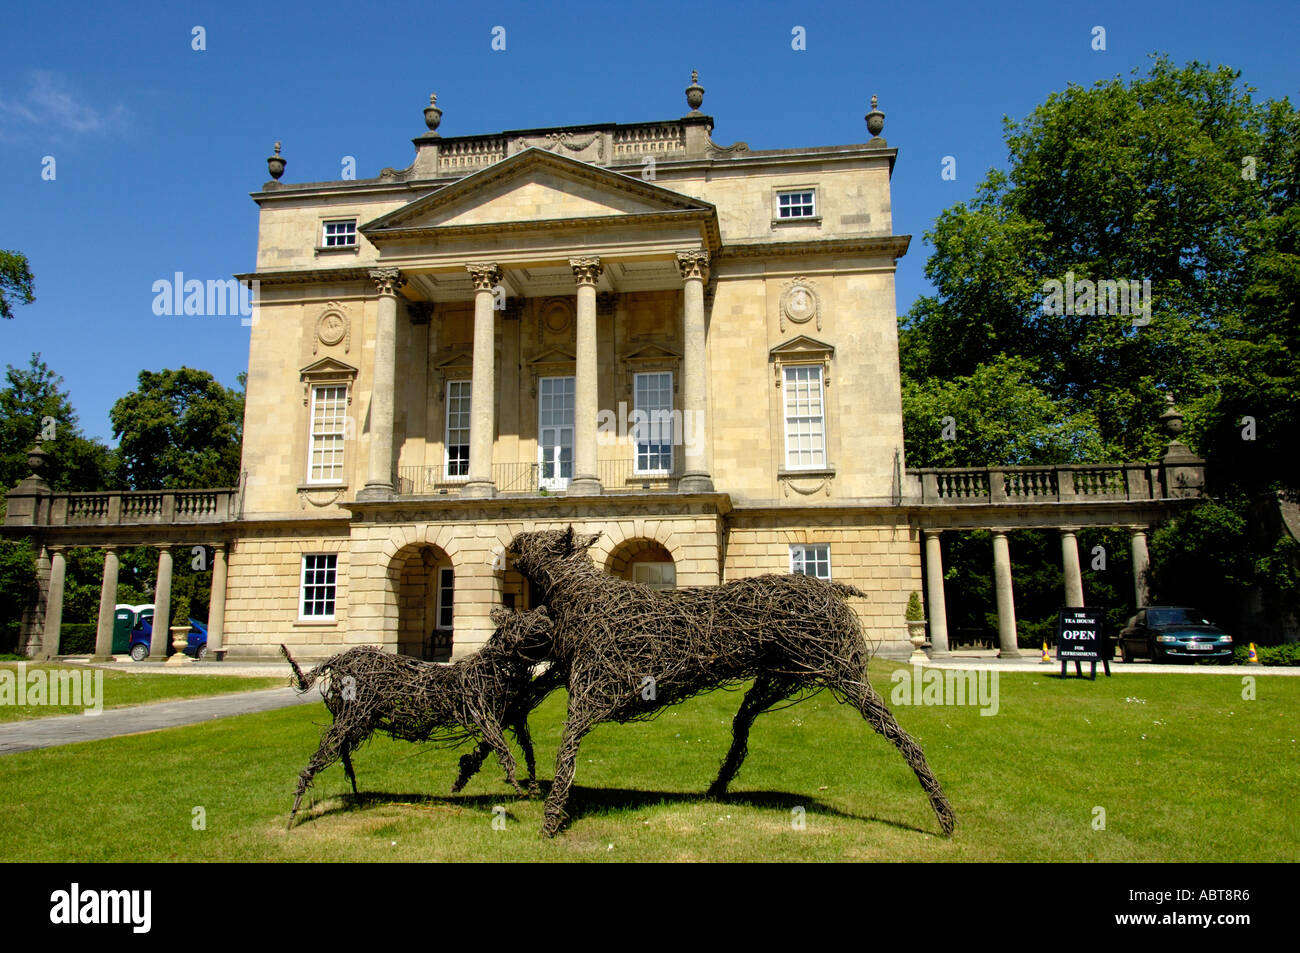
x: 538, y: 555
x: 525, y: 635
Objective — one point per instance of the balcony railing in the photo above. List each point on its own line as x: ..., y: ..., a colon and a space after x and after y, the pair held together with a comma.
x: 126, y: 508
x: 1068, y: 483
x: 616, y: 476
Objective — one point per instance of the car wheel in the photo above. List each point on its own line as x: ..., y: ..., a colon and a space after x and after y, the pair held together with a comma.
x: 202, y: 653
x: 139, y: 651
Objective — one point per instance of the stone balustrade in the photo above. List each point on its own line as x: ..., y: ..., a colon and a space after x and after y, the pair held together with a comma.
x: 1066, y: 483
x: 123, y: 508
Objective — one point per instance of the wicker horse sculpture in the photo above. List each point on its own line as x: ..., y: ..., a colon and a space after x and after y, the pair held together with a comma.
x: 628, y: 651
x: 371, y: 690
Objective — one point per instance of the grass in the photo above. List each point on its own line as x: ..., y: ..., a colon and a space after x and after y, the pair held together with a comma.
x: 1185, y: 769
x: 131, y: 688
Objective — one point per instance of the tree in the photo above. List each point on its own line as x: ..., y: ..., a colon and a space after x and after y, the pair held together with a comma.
x: 1178, y: 178
x: 995, y: 415
x: 180, y: 429
x: 34, y: 404
x: 15, y: 280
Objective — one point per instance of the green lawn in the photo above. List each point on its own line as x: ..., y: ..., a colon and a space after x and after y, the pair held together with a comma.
x: 1185, y: 769
x: 132, y: 688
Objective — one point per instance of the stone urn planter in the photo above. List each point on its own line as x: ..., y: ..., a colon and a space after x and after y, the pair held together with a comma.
x: 915, y: 617
x: 180, y: 641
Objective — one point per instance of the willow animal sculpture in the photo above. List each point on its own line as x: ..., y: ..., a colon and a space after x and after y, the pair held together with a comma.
x: 627, y: 651
x: 370, y: 690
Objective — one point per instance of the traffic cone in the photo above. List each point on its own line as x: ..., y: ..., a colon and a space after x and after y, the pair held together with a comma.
x: 1253, y: 657
x: 1046, y: 658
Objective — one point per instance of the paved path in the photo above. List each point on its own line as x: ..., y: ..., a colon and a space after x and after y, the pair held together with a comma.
x: 33, y: 733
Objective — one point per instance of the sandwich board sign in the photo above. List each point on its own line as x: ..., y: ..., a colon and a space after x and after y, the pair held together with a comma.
x: 1079, y: 638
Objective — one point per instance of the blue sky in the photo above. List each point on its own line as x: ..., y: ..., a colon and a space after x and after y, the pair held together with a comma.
x: 156, y: 145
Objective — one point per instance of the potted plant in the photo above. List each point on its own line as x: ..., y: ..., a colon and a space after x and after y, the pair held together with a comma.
x: 180, y: 630
x: 915, y: 617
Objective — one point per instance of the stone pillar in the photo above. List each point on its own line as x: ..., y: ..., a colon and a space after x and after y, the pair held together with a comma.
x: 586, y: 481
x: 379, y: 472
x: 160, y: 640
x: 1070, y: 563
x: 694, y: 266
x: 483, y: 395
x: 31, y: 625
x: 217, y: 605
x: 1007, y: 647
x: 107, y: 602
x: 1141, y: 561
x: 936, y: 605
x: 54, y: 603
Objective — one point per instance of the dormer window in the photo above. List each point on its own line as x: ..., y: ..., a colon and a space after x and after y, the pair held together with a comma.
x: 340, y: 234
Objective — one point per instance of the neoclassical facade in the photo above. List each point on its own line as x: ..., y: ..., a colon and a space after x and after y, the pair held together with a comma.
x: 688, y: 347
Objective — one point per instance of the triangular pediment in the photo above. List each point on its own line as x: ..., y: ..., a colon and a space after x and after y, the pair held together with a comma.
x: 460, y: 358
x: 802, y: 346
x: 652, y: 352
x: 327, y: 367
x: 533, y: 185
x: 554, y: 355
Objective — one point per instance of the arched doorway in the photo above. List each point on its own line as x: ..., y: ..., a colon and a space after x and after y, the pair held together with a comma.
x: 425, y: 597
x: 645, y: 561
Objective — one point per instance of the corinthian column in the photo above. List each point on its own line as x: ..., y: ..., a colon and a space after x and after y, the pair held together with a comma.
x: 379, y: 473
x: 694, y: 267
x: 586, y: 482
x: 483, y: 390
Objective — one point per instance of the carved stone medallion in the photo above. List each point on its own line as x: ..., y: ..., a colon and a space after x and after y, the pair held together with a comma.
x: 333, y: 327
x: 800, y: 304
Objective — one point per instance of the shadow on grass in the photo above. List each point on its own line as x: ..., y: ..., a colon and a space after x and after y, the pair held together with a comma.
x: 584, y: 801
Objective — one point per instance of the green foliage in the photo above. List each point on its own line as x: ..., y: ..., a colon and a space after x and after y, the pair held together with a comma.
x: 179, y: 430
x: 33, y: 401
x: 999, y: 416
x: 17, y: 588
x: 180, y: 609
x: 15, y: 282
x: 1274, y: 655
x: 914, y: 611
x: 78, y: 638
x: 1179, y: 177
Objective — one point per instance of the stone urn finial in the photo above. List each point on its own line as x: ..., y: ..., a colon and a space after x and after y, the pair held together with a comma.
x: 875, y: 120
x: 1172, y: 418
x: 275, y: 164
x: 695, y: 92
x: 432, y: 114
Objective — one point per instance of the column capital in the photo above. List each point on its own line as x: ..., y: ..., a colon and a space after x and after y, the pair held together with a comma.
x: 485, y: 275
x: 387, y: 280
x: 586, y: 271
x: 693, y: 264
x: 931, y: 532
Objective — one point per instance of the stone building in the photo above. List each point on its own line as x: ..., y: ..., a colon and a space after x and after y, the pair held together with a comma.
x: 690, y: 348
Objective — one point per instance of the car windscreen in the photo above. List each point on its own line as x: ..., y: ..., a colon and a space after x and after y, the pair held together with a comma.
x: 1176, y: 617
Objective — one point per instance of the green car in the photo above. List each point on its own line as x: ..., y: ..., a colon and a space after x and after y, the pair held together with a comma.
x: 1164, y: 633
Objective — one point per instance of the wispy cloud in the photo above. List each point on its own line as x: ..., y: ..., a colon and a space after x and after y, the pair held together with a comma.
x: 48, y: 106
